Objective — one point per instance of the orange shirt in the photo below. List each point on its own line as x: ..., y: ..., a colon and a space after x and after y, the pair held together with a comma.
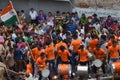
x: 57, y: 46
x: 29, y: 68
x: 38, y: 52
x: 64, y: 55
x: 33, y: 52
x: 116, y: 38
x: 76, y: 44
x: 41, y: 63
x: 100, y: 54
x: 83, y: 55
x: 114, y: 51
x: 50, y: 52
x: 92, y: 44
x: 109, y: 43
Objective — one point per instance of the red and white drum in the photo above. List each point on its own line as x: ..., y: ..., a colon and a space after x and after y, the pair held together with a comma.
x: 64, y: 69
x: 116, y: 67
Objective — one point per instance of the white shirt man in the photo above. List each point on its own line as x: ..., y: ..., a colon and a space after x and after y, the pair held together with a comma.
x: 33, y: 14
x: 87, y: 40
x: 97, y: 26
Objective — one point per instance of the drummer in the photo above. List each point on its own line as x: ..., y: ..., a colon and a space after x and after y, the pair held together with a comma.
x: 83, y: 55
x: 64, y: 54
x: 50, y: 56
x: 113, y: 54
x: 41, y: 63
x: 100, y: 54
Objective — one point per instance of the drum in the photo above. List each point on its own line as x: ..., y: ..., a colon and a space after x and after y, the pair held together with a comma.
x: 97, y: 63
x: 115, y: 68
x: 64, y: 69
x: 82, y: 69
x: 45, y: 73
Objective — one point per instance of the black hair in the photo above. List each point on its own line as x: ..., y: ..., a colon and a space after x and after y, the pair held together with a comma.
x: 112, y: 37
x: 98, y: 45
x: 94, y: 14
x: 63, y: 12
x: 22, y: 11
x: 42, y: 54
x: 115, y: 21
x: 48, y: 42
x: 27, y: 61
x: 57, y: 12
x: 104, y: 37
x: 75, y: 35
x: 62, y: 48
x: 109, y: 15
x: 81, y: 46
x: 39, y: 45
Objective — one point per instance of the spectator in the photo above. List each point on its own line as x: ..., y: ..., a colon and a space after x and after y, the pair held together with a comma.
x: 83, y: 19
x: 94, y: 19
x: 72, y: 26
x: 10, y: 60
x: 58, y: 16
x: 41, y: 17
x: 97, y: 26
x: 50, y: 19
x: 33, y: 16
x: 18, y: 57
x: 109, y: 22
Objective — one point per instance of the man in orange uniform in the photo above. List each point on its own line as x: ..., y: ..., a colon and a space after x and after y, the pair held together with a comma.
x: 75, y: 44
x: 93, y: 43
x: 83, y: 55
x: 64, y: 55
x: 41, y: 63
x: 50, y: 55
x: 35, y: 53
x: 57, y: 46
x: 61, y: 43
x: 101, y: 55
x: 29, y: 69
x: 112, y: 38
x: 113, y: 54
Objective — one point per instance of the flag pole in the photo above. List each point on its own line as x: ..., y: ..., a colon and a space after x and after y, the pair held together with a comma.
x: 15, y: 12
x: 19, y: 24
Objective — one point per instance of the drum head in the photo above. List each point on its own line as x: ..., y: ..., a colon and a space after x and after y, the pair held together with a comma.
x: 82, y: 69
x: 45, y: 73
x: 97, y: 63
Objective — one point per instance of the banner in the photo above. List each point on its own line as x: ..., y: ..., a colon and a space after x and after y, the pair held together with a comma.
x: 98, y: 11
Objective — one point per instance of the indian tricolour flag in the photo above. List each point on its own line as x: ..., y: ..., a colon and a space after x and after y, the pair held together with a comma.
x: 8, y: 15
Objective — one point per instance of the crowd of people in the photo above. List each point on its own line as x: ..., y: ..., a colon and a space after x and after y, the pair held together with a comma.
x: 64, y: 38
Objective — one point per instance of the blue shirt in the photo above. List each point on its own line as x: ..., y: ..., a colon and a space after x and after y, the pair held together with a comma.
x: 72, y: 27
x: 18, y: 55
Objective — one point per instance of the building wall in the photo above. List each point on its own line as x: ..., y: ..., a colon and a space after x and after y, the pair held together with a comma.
x: 46, y: 5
